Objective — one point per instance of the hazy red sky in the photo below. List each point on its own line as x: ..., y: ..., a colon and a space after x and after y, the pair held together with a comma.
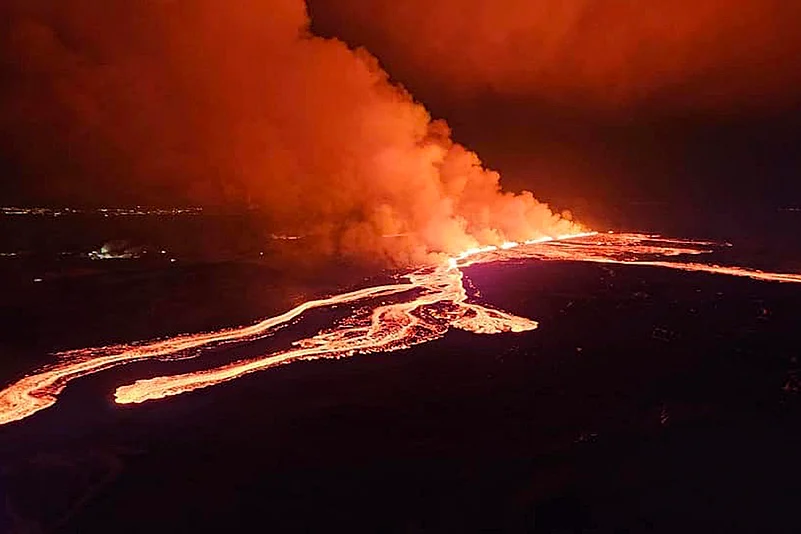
x: 699, y: 53
x: 586, y: 102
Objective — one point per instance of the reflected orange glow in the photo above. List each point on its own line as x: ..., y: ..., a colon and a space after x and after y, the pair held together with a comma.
x: 424, y: 308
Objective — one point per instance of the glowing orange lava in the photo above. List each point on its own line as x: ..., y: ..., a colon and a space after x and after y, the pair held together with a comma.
x: 643, y: 250
x: 40, y: 390
x: 432, y: 301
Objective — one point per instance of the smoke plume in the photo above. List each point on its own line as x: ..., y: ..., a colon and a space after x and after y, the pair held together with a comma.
x: 237, y: 102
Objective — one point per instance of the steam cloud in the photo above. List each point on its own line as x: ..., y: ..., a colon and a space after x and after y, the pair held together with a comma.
x: 238, y: 102
x: 704, y: 54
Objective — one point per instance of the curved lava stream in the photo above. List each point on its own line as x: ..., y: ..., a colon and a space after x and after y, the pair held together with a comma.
x: 434, y: 301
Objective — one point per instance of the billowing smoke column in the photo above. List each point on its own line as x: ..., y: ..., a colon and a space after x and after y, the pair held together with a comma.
x: 220, y: 102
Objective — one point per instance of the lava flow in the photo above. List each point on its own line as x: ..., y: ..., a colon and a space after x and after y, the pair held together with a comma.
x: 643, y: 250
x: 40, y: 390
x: 423, y: 309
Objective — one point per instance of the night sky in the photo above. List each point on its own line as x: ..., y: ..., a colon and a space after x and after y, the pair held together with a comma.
x: 595, y: 106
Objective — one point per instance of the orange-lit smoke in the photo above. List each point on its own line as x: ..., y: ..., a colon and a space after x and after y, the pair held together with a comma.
x: 701, y: 53
x: 237, y: 102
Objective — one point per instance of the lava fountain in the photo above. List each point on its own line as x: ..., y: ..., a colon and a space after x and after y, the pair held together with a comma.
x: 423, y: 308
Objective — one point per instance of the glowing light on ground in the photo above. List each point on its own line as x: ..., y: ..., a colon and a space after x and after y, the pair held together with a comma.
x: 646, y: 251
x: 422, y: 309
x: 40, y: 390
x: 107, y: 212
x: 441, y: 305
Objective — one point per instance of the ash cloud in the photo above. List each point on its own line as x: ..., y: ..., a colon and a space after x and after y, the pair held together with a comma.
x: 599, y: 54
x: 238, y: 103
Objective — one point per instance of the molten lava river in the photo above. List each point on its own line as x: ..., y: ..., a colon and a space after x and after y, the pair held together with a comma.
x: 424, y: 305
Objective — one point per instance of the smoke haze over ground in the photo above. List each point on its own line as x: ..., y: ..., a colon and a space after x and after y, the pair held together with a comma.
x: 237, y: 103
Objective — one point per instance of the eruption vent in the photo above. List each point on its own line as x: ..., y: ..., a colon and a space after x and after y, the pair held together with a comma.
x: 237, y: 102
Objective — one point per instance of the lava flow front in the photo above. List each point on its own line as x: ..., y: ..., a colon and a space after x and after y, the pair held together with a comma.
x: 423, y: 308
